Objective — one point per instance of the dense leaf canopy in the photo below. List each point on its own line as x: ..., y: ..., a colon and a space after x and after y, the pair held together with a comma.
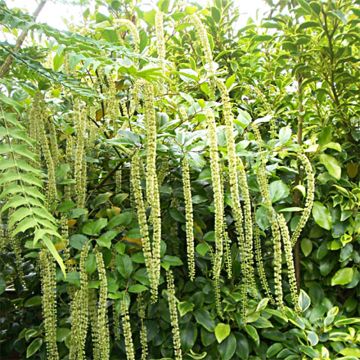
x: 173, y: 186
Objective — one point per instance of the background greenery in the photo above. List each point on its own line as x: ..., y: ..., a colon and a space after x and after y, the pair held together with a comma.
x: 296, y: 74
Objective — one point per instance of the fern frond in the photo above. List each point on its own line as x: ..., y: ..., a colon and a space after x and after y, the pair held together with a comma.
x: 21, y: 186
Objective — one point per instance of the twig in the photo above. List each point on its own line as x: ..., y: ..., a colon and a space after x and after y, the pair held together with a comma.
x: 5, y: 67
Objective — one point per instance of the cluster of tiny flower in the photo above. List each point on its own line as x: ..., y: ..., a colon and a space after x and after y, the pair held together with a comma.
x: 48, y: 288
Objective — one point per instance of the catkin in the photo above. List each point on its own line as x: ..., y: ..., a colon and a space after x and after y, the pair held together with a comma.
x: 80, y: 312
x: 150, y: 122
x: 152, y: 187
x: 116, y: 323
x: 173, y: 314
x: 41, y: 112
x: 126, y: 326
x: 227, y: 255
x: 34, y: 128
x: 102, y: 317
x: 217, y: 293
x: 64, y: 231
x: 93, y: 320
x: 289, y: 259
x: 118, y: 178
x: 260, y: 265
x: 134, y: 97
x: 310, y: 182
x: 79, y: 157
x: 233, y: 180
x: 155, y: 219
x: 274, y: 224
x: 132, y: 29
x: 69, y: 152
x: 277, y: 260
x: 160, y: 39
x: 143, y: 225
x: 218, y: 194
x: 143, y: 329
x: 53, y: 141
x: 48, y: 288
x: 205, y: 44
x: 189, y: 218
x: 249, y: 245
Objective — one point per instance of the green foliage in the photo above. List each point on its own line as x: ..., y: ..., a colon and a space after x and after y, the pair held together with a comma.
x: 21, y: 182
x: 284, y: 95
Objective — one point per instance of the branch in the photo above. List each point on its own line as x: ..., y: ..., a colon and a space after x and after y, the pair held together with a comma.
x: 5, y: 67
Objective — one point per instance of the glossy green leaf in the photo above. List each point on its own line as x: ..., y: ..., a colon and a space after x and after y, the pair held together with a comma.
x: 332, y: 165
x: 34, y: 347
x: 306, y: 246
x: 204, y: 319
x: 343, y: 276
x: 185, y: 307
x: 321, y: 215
x: 93, y: 227
x: 304, y: 300
x: 222, y: 331
x: 278, y: 190
x: 105, y: 239
x: 124, y: 265
x: 273, y: 350
x: 227, y: 348
x: 137, y: 288
x: 253, y: 333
